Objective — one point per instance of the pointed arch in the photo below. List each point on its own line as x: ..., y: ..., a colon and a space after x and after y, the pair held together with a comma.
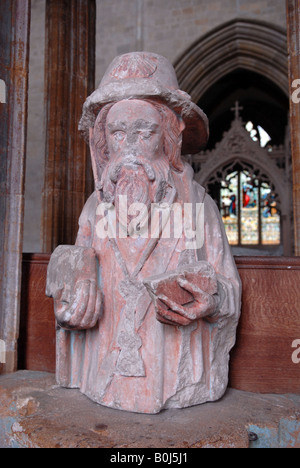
x: 261, y: 165
x: 237, y: 147
x: 252, y: 45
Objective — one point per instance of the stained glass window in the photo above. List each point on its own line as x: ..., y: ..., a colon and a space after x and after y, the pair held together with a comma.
x: 249, y: 210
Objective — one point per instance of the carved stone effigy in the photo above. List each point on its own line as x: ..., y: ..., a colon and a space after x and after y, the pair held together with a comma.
x: 148, y: 300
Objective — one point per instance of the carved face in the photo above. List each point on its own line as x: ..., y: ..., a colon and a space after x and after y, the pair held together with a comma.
x: 138, y: 167
x: 134, y: 129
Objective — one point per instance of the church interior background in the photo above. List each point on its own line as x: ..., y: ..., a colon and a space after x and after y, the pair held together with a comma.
x: 226, y: 54
x: 237, y: 59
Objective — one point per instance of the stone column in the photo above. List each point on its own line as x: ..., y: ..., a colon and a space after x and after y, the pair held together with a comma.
x: 69, y: 79
x: 14, y: 54
x: 293, y: 36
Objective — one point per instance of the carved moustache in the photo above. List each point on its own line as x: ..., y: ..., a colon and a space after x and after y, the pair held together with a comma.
x: 132, y: 172
x: 131, y: 162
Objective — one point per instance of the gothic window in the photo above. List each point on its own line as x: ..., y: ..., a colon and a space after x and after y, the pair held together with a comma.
x: 238, y: 174
x: 249, y: 207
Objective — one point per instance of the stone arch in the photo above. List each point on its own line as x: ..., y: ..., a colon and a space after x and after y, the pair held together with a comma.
x: 265, y: 171
x: 237, y: 147
x: 262, y: 165
x: 252, y: 45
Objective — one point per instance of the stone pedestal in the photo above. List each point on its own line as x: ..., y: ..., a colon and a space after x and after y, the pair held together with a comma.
x: 35, y: 413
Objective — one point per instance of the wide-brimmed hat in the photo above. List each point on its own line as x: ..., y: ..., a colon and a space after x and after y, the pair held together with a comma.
x: 144, y: 75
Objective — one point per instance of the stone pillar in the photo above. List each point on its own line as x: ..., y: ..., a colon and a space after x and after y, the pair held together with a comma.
x: 293, y: 36
x: 14, y: 54
x: 69, y: 79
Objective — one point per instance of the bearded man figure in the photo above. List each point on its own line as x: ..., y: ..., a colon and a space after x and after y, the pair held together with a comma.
x: 148, y: 300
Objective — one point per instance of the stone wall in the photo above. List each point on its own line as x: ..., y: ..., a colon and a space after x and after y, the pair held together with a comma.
x: 169, y: 27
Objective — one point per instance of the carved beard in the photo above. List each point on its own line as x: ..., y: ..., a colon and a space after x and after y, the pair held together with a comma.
x: 137, y: 180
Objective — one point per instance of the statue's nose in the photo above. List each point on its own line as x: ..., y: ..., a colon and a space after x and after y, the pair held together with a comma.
x: 132, y: 138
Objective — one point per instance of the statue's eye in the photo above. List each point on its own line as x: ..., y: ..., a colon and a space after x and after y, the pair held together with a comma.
x: 146, y: 135
x: 119, y: 135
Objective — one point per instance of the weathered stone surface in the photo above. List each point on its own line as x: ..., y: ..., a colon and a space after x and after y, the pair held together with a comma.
x: 75, y: 290
x: 35, y: 412
x: 141, y: 349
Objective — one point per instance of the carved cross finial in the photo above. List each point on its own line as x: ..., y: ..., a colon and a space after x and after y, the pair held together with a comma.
x: 236, y: 109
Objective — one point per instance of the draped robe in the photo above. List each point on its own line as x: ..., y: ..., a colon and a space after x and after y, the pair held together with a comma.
x: 130, y: 360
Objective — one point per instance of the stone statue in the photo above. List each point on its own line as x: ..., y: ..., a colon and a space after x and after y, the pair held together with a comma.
x: 148, y: 300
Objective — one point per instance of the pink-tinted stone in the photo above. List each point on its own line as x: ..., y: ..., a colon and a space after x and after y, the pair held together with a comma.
x: 149, y: 301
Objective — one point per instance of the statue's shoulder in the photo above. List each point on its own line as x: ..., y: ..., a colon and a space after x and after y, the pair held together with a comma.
x: 92, y: 201
x: 89, y: 209
x: 202, y: 196
x: 200, y: 193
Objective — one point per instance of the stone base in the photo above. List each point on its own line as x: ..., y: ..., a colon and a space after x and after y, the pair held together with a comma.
x: 36, y: 413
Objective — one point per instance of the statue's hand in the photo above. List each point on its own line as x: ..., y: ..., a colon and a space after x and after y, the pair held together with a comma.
x: 172, y: 313
x: 72, y: 281
x: 83, y: 308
